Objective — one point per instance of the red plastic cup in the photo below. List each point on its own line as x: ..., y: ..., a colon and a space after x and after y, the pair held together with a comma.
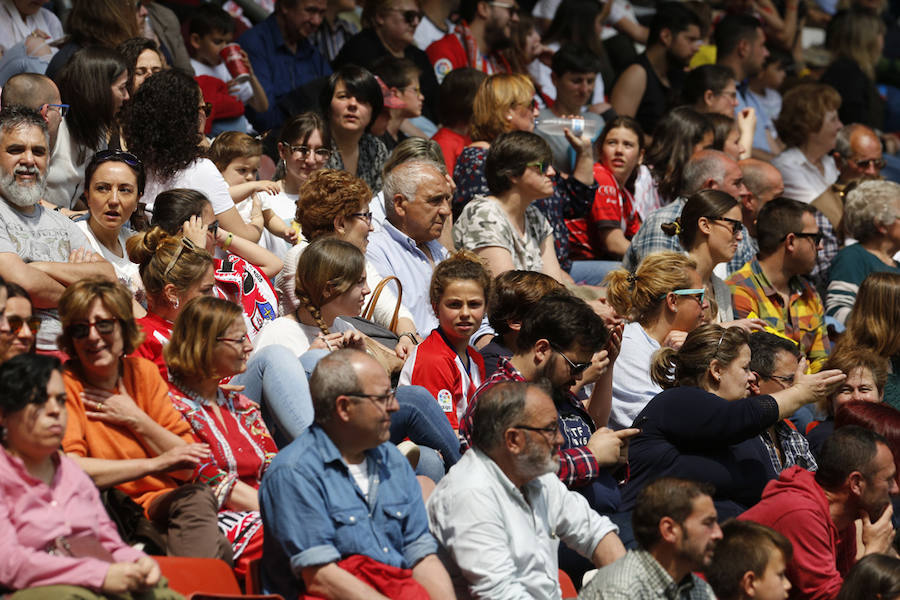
x: 231, y: 54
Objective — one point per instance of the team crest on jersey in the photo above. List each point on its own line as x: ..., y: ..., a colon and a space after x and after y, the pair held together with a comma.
x: 445, y: 399
x: 442, y: 67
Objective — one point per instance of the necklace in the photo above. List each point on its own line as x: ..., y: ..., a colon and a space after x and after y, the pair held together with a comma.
x: 195, y: 396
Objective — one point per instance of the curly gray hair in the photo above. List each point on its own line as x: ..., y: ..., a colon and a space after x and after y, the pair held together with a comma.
x: 870, y: 205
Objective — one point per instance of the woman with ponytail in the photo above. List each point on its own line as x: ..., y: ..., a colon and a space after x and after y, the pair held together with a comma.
x: 663, y: 301
x: 689, y: 429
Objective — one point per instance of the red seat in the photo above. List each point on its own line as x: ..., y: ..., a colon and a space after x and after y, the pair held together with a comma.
x: 202, y: 578
x: 566, y: 585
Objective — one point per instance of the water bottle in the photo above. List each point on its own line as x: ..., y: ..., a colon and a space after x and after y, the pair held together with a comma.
x: 577, y: 125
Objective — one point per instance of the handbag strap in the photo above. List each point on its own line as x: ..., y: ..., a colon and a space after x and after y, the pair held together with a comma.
x: 373, y: 300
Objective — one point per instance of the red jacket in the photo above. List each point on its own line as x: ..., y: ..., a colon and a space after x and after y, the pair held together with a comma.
x: 796, y: 506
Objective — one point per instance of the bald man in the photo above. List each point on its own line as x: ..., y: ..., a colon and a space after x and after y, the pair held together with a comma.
x: 37, y: 92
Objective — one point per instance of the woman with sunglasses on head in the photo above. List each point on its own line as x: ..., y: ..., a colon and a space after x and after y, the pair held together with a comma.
x: 709, y: 230
x: 504, y: 228
x: 162, y: 125
x: 870, y: 216
x: 388, y: 28
x: 505, y: 103
x: 113, y: 183
x: 351, y: 102
x: 209, y: 343
x: 123, y: 430
x: 663, y: 300
x: 689, y: 429
x: 18, y: 335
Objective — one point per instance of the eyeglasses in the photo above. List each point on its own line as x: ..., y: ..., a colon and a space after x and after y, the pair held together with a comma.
x: 120, y: 156
x: 574, y: 368
x: 550, y: 430
x: 381, y: 400
x: 241, y: 340
x: 785, y: 379
x: 365, y: 216
x: 303, y: 151
x: 541, y: 167
x: 213, y: 228
x: 736, y: 226
x: 205, y: 108
x: 878, y: 163
x: 698, y: 294
x: 16, y: 322
x: 512, y: 7
x: 815, y: 237
x: 79, y: 331
x: 410, y: 16
x: 185, y: 244
x: 62, y: 108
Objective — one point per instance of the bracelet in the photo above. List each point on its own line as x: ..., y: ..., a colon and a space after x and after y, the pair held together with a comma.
x: 228, y: 239
x: 411, y: 336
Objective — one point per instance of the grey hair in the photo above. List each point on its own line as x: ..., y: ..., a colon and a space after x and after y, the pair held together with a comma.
x: 707, y: 164
x: 498, y: 409
x: 415, y: 149
x: 870, y: 204
x: 14, y: 117
x: 755, y: 176
x: 404, y: 179
x: 842, y: 142
x: 333, y: 376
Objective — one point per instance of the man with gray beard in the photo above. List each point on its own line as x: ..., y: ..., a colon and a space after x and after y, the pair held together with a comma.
x: 501, y: 511
x: 40, y: 249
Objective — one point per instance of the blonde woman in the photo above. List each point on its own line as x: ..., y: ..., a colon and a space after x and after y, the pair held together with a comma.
x: 664, y: 300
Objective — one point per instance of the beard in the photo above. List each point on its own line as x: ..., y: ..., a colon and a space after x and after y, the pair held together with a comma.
x: 496, y: 38
x: 537, y: 461
x: 23, y: 196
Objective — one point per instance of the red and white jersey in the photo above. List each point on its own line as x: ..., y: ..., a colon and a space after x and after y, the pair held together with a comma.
x: 434, y: 365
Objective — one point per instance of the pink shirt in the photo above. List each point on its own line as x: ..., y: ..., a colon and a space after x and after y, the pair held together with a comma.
x: 33, y: 514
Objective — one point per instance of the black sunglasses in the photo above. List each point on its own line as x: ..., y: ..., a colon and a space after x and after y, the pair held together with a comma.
x: 574, y: 368
x: 816, y: 237
x: 79, y: 331
x: 410, y: 16
x: 16, y: 322
x: 736, y: 226
x: 119, y: 155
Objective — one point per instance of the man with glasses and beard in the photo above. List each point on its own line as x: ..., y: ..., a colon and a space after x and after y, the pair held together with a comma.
x: 816, y: 511
x: 40, y: 249
x: 677, y: 530
x: 484, y: 29
x: 500, y: 513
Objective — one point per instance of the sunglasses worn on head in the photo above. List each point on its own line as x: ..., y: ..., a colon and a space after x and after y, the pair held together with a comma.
x: 16, y: 323
x: 79, y: 331
x: 120, y: 156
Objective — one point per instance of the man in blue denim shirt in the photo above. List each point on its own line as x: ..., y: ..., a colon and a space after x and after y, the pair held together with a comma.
x: 341, y: 489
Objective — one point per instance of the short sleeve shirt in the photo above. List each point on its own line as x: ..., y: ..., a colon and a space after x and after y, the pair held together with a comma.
x: 483, y: 223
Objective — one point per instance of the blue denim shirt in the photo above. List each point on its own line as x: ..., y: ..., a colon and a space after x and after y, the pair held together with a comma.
x: 278, y: 69
x: 314, y: 513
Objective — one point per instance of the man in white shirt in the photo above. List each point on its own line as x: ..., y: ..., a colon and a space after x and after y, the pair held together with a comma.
x: 501, y: 511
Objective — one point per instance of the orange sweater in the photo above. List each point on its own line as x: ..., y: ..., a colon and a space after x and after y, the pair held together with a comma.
x: 96, y: 439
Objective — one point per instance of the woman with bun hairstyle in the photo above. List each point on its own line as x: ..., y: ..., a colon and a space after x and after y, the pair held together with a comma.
x: 663, y: 300
x: 689, y: 429
x: 710, y: 229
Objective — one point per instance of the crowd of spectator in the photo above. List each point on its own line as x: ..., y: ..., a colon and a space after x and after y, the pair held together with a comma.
x: 423, y: 299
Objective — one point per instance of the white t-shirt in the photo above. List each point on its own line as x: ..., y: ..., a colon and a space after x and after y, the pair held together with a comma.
x: 632, y: 386
x: 201, y: 175
x: 542, y: 72
x: 427, y: 32
x: 294, y: 335
x: 802, y: 180
x: 127, y: 272
x: 14, y: 29
x: 243, y: 92
x: 360, y: 474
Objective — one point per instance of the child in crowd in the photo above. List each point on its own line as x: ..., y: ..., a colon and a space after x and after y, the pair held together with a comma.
x: 750, y: 562
x: 401, y: 76
x: 209, y: 30
x: 444, y: 363
x: 237, y: 157
x: 766, y: 85
x: 727, y: 136
x: 457, y: 95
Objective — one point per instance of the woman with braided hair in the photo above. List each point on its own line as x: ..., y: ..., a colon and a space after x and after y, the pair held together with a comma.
x: 663, y: 300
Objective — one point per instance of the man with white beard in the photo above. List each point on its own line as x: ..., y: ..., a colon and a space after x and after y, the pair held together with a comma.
x: 501, y: 511
x: 40, y: 249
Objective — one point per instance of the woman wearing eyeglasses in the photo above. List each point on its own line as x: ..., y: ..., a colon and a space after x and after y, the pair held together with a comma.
x: 505, y: 228
x: 505, y: 103
x: 871, y: 212
x: 114, y: 182
x: 123, y: 430
x: 710, y: 229
x: 663, y: 300
x: 690, y: 428
x: 336, y: 204
x: 209, y: 343
x: 18, y: 336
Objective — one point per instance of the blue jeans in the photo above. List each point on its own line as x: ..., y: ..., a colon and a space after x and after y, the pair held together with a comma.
x: 592, y: 272
x: 275, y: 381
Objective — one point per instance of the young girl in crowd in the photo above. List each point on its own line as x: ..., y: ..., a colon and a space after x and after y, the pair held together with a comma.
x: 444, y: 363
x: 237, y: 157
